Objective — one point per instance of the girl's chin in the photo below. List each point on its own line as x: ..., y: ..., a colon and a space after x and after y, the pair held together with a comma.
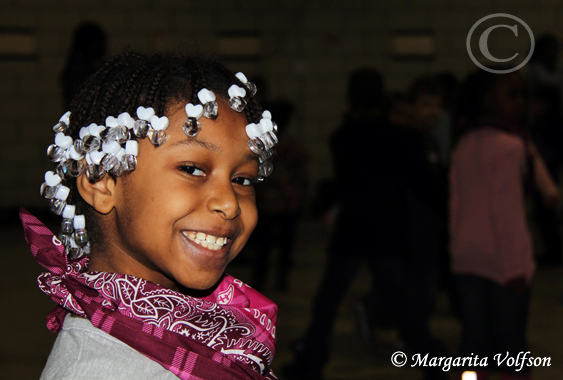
x: 200, y: 288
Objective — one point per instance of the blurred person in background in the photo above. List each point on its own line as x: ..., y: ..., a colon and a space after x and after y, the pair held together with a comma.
x: 545, y: 81
x: 442, y: 132
x: 86, y: 56
x: 405, y: 283
x: 494, y: 166
x: 371, y: 171
x: 398, y: 110
x: 354, y: 157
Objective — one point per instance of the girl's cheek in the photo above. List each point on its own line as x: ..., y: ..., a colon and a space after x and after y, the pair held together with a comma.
x: 254, y: 216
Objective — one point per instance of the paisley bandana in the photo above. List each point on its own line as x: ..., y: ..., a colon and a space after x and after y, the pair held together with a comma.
x: 229, y: 334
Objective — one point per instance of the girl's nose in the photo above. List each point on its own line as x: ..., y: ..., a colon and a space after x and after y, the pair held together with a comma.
x: 223, y: 200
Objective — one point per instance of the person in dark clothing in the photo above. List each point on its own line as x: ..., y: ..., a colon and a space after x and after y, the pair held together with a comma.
x: 545, y: 86
x: 546, y: 130
x: 426, y: 178
x: 421, y: 195
x: 371, y: 228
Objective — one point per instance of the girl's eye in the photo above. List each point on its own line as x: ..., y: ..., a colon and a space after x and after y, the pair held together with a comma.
x: 244, y: 181
x: 192, y: 170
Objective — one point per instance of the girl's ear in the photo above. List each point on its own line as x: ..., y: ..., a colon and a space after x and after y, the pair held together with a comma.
x: 99, y: 195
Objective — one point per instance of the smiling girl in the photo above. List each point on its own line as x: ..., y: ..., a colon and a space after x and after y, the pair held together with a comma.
x: 158, y: 158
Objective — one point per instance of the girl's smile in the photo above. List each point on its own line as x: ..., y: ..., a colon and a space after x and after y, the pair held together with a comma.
x: 206, y: 241
x: 201, y: 248
x: 188, y: 208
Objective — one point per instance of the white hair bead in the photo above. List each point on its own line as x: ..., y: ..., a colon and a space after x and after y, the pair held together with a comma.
x: 68, y: 212
x: 145, y: 113
x: 74, y: 154
x: 206, y: 96
x: 253, y: 130
x: 235, y: 90
x: 79, y: 222
x: 132, y: 147
x: 111, y: 147
x: 94, y: 129
x: 62, y: 193
x: 96, y: 157
x: 159, y: 123
x: 194, y: 111
x: 52, y: 178
x: 111, y: 121
x: 83, y: 132
x: 63, y: 141
x: 126, y: 120
x: 241, y: 77
x: 65, y: 118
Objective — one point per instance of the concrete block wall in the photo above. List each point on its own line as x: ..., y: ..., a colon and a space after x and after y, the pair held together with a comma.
x: 308, y: 50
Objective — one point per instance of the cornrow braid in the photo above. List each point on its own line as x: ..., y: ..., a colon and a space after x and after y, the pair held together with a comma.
x: 198, y: 84
x: 92, y: 103
x: 131, y: 96
x: 153, y: 92
x: 116, y: 89
x: 137, y: 94
x: 253, y: 110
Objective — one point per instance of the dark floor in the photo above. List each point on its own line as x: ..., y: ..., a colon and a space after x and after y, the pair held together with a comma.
x: 27, y: 341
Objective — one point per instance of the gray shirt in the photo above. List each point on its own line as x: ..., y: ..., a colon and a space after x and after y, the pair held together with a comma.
x: 82, y: 351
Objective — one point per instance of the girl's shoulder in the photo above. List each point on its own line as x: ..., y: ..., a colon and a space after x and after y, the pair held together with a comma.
x: 82, y: 351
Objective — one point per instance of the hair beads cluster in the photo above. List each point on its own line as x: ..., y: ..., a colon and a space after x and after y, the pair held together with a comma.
x: 133, y: 89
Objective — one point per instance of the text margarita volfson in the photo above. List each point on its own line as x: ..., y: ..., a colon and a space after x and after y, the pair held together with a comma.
x: 518, y: 362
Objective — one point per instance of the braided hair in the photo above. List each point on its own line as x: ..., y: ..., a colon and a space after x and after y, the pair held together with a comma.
x: 158, y: 80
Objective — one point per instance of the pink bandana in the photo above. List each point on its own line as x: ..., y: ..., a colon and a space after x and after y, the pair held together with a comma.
x: 229, y: 334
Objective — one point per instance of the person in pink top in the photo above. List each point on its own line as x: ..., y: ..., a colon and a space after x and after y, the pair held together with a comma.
x: 493, y: 167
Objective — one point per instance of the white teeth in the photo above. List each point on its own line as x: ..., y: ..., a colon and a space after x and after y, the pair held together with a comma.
x: 207, y: 241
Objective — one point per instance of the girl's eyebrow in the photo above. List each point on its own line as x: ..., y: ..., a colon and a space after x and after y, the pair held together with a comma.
x: 251, y: 157
x: 209, y: 146
x: 203, y: 144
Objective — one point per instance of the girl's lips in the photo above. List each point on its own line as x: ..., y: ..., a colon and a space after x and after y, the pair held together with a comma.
x: 211, y: 242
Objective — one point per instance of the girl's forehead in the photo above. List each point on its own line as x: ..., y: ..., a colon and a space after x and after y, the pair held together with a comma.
x: 227, y: 123
x: 226, y: 133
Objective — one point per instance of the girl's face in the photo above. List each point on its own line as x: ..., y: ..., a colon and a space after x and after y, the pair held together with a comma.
x: 188, y: 208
